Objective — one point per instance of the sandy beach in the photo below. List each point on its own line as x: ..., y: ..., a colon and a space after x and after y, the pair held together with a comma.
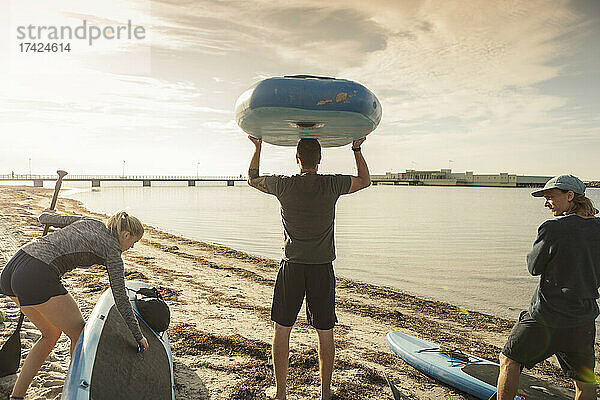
x: 221, y: 331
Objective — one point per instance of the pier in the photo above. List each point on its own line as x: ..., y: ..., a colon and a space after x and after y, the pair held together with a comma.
x: 96, y: 180
x: 445, y: 177
x: 410, y: 177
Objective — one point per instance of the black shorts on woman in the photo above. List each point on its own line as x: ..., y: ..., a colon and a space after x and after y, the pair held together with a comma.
x: 532, y: 341
x: 30, y: 280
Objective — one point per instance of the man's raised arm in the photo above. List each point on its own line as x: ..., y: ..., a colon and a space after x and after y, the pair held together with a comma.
x: 363, y: 179
x: 254, y: 178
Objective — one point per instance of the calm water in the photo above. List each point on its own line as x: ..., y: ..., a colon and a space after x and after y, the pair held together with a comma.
x: 465, y: 246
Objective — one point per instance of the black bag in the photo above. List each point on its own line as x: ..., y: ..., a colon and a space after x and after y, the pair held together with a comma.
x: 153, y: 309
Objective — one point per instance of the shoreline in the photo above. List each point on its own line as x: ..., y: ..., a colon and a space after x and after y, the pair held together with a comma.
x: 71, y: 192
x: 220, y: 328
x: 389, y: 257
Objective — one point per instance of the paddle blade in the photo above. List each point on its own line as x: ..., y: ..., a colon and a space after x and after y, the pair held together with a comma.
x: 10, y: 354
x: 395, y: 392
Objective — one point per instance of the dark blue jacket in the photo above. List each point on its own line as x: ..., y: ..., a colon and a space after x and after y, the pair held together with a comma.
x: 566, y: 255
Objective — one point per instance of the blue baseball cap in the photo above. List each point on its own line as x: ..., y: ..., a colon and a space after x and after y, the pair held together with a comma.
x: 564, y: 182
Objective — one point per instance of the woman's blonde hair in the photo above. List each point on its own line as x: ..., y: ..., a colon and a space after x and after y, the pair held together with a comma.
x: 123, y: 222
x: 583, y: 206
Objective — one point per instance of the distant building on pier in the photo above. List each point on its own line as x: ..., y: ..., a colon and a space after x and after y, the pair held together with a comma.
x: 445, y: 177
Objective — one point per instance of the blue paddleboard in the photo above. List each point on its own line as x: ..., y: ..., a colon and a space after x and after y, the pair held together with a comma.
x: 106, y: 365
x: 282, y: 110
x: 466, y: 372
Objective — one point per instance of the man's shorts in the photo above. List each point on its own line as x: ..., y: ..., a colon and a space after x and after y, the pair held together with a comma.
x: 294, y: 281
x: 531, y: 342
x: 30, y: 280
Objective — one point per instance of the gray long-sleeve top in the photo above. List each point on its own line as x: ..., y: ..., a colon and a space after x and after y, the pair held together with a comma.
x: 566, y: 255
x: 83, y: 242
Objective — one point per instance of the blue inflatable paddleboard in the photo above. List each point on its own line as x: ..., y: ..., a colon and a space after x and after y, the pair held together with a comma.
x: 282, y: 110
x: 466, y: 372
x: 106, y: 365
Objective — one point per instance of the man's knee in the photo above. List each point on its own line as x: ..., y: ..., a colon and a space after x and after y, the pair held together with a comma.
x: 324, y: 333
x: 281, y: 330
x: 588, y: 390
x: 508, y: 364
x: 326, y: 341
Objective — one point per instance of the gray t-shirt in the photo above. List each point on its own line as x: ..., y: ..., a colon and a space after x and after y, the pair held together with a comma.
x: 308, y: 213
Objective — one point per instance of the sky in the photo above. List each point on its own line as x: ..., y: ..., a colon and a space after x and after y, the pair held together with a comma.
x: 474, y: 85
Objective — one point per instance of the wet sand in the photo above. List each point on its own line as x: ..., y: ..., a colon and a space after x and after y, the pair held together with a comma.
x: 220, y: 319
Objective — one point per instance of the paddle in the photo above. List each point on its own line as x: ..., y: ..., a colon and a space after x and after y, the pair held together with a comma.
x: 10, y: 354
x: 397, y: 394
x: 61, y: 175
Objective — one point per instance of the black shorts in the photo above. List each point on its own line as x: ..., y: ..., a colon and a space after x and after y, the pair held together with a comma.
x: 30, y: 280
x: 531, y: 342
x: 317, y: 282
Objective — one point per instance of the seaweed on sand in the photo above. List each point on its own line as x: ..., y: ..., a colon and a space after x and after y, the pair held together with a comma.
x: 257, y: 375
x: 189, y: 340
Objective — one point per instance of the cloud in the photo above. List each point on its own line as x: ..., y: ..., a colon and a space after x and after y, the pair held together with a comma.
x: 468, y: 61
x: 99, y: 101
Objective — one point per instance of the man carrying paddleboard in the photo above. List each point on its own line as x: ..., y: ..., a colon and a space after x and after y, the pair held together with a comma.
x: 307, y: 212
x: 32, y: 280
x: 560, y: 319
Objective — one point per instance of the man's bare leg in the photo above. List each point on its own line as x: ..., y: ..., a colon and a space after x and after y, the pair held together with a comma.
x: 508, y: 381
x: 281, y: 353
x: 585, y: 391
x: 326, y: 357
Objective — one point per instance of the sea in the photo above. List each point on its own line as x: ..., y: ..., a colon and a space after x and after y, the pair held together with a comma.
x: 461, y: 245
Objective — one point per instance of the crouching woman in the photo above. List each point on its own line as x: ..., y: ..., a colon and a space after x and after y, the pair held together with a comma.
x: 32, y: 279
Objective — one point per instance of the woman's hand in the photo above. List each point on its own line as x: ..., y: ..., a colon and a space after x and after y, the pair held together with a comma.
x: 143, y: 344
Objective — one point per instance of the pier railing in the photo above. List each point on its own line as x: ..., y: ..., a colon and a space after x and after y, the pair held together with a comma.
x: 38, y: 180
x: 230, y: 179
x: 29, y: 177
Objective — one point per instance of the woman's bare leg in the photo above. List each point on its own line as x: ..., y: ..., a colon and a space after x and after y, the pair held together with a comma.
x: 58, y: 314
x: 39, y: 352
x: 62, y: 312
